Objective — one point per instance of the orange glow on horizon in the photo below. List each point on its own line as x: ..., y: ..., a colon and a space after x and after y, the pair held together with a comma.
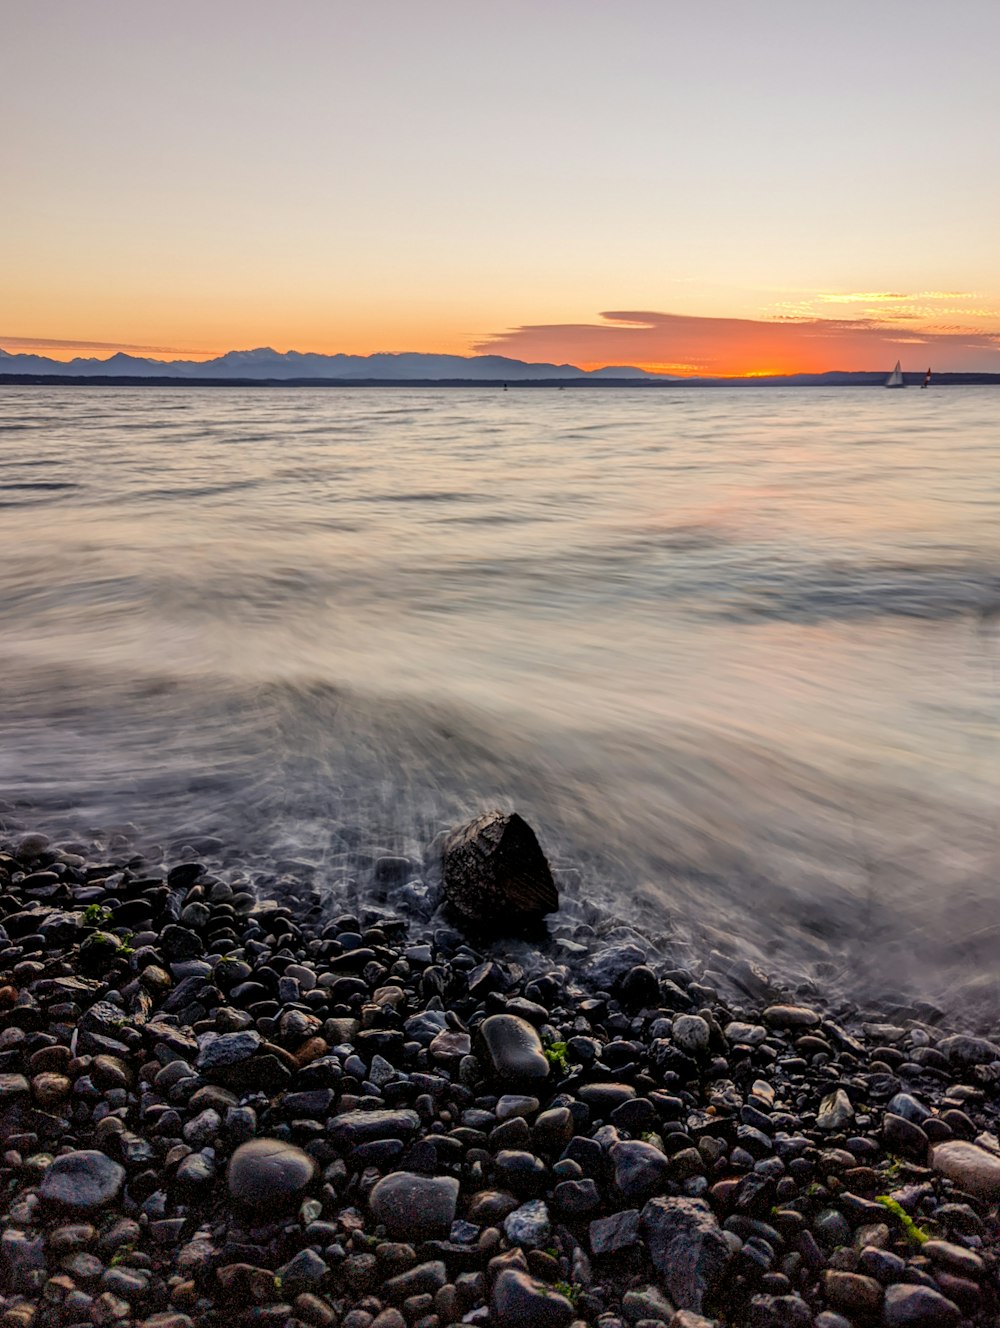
x: 672, y: 369
x: 668, y: 344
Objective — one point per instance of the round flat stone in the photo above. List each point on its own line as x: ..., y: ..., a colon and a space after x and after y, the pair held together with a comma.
x: 413, y: 1206
x: 691, y: 1033
x: 269, y: 1171
x: 514, y: 1104
x: 918, y: 1307
x: 971, y: 1168
x: 82, y: 1181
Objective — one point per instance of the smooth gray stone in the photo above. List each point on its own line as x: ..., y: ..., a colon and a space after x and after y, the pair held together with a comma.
x: 641, y: 1169
x: 267, y: 1172
x: 415, y: 1207
x: 82, y: 1181
x: 361, y: 1127
x: 972, y: 1168
x: 691, y: 1033
x: 910, y: 1108
x: 918, y: 1307
x: 514, y: 1048
x: 969, y: 1051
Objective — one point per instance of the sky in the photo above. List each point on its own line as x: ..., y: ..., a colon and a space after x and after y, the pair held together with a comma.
x: 710, y: 187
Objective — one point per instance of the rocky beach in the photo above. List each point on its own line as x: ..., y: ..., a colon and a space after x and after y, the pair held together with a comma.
x: 222, y: 1101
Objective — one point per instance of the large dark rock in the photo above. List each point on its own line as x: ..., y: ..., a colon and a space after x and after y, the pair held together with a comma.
x: 495, y: 872
x: 688, y: 1249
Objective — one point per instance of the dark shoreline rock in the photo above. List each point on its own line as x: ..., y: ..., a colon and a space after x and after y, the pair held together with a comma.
x: 495, y: 873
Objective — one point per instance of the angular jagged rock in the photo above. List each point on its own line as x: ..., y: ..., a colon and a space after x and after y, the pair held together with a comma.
x: 688, y: 1249
x: 610, y: 967
x: 528, y: 1226
x: 519, y: 1301
x: 835, y: 1111
x: 614, y: 1234
x: 495, y: 871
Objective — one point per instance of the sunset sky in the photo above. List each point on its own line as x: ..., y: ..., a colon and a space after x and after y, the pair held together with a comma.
x: 720, y: 187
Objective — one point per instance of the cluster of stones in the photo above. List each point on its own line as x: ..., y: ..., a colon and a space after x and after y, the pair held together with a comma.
x: 216, y: 1109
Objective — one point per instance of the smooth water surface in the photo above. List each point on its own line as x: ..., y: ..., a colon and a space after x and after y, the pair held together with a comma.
x: 733, y: 652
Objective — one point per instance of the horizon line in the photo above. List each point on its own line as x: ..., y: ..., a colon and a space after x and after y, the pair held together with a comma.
x: 203, y: 359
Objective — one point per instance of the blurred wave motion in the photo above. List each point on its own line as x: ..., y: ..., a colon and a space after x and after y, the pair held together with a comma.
x: 734, y: 653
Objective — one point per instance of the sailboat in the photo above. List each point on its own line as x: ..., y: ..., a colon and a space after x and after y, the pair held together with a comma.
x: 927, y: 378
x: 895, y: 379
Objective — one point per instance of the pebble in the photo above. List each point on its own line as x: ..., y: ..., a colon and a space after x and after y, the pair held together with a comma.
x: 640, y: 1169
x: 265, y: 1172
x: 790, y: 1017
x: 691, y: 1033
x: 956, y: 1258
x: 918, y: 1307
x: 226, y: 1049
x: 514, y: 1104
x: 614, y: 1234
x: 358, y: 1127
x: 514, y: 1049
x: 414, y: 1206
x: 968, y: 1051
x: 519, y: 1301
x: 82, y: 1181
x: 853, y: 1293
x: 835, y: 1111
x: 528, y: 1226
x: 972, y: 1168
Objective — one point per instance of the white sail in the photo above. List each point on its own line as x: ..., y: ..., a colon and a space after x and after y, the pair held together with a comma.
x: 895, y: 379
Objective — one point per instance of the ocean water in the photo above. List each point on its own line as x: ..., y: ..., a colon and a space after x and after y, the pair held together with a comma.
x: 734, y: 653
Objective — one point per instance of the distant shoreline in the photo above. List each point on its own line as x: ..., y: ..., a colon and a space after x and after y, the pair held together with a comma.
x: 601, y: 384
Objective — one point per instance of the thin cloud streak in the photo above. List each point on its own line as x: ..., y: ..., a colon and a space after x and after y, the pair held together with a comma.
x: 61, y: 343
x: 745, y: 346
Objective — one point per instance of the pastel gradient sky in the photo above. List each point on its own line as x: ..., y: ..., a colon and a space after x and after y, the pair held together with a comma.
x: 710, y: 187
